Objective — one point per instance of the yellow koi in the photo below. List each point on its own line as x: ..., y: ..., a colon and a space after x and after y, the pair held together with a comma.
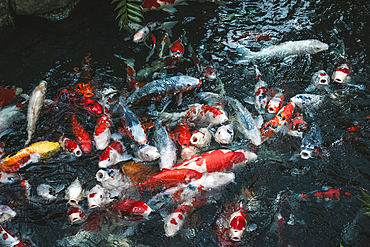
x: 44, y: 148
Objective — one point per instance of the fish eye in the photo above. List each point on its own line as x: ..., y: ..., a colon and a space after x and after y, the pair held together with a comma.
x: 229, y: 131
x: 318, y: 47
x: 101, y: 196
x: 108, y: 159
x: 147, y: 154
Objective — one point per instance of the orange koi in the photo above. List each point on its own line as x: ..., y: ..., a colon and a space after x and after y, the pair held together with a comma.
x: 84, y: 87
x: 181, y: 134
x: 82, y: 137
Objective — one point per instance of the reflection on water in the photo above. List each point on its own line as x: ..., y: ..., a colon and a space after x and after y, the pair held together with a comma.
x: 35, y: 49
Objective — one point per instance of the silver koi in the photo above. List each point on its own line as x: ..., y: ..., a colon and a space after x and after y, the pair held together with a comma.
x: 311, y: 143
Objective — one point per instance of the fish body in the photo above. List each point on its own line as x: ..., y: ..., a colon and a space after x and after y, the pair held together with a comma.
x: 131, y: 209
x: 237, y: 225
x: 175, y: 220
x: 46, y: 193
x: 76, y: 214
x: 217, y: 161
x: 81, y: 136
x: 204, y: 115
x: 158, y: 89
x: 307, y: 101
x: 277, y: 123
x: 311, y: 143
x: 8, y: 115
x: 301, y: 47
x: 275, y: 104
x: 297, y: 126
x: 146, y: 152
x: 342, y: 73
x: 320, y: 80
x: 144, y: 33
x: 224, y: 134
x: 181, y: 134
x: 74, y: 192
x: 102, y: 132
x: 168, y: 178
x: 133, y: 127
x: 70, y: 146
x: 201, y: 138
x: 183, y: 192
x: 114, y: 181
x: 166, y: 5
x: 114, y: 153
x: 165, y: 145
x: 43, y: 148
x: 260, y: 94
x: 91, y: 105
x: 245, y: 122
x: 9, y: 240
x: 6, y: 213
x: 329, y: 194
x: 35, y: 104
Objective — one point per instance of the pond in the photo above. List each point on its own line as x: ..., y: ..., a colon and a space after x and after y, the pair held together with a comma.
x: 35, y: 49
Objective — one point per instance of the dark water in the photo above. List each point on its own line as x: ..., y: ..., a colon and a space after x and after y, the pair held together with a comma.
x: 35, y: 49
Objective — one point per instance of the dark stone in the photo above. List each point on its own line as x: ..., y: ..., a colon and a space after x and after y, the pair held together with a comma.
x: 33, y: 7
x: 5, y: 16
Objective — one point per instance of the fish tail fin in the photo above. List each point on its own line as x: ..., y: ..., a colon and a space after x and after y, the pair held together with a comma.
x: 167, y: 26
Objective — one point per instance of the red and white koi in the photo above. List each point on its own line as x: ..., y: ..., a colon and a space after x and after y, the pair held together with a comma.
x: 277, y: 123
x: 76, y: 214
x: 114, y: 153
x: 6, y: 213
x: 275, y: 104
x: 217, y: 161
x: 9, y: 240
x: 201, y: 138
x: 342, y: 73
x: 260, y: 94
x: 166, y: 5
x: 35, y: 104
x: 81, y: 136
x: 177, y: 49
x: 167, y: 178
x: 181, y: 134
x: 159, y: 89
x: 130, y: 209
x: 237, y: 224
x: 2, y: 146
x: 320, y: 80
x: 97, y: 197
x: 70, y: 146
x: 175, y: 220
x: 91, y: 105
x: 297, y: 126
x: 144, y: 33
x: 102, y: 132
x: 184, y: 192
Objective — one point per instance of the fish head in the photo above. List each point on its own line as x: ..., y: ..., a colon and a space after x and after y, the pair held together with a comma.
x: 96, y: 196
x: 237, y: 225
x: 224, y: 134
x: 320, y: 78
x: 76, y: 214
x: 201, y: 138
x: 209, y: 73
x: 341, y: 74
x: 141, y: 35
x: 108, y: 158
x: 46, y: 192
x: 186, y: 83
x: 316, y: 46
x: 8, y: 178
x: 6, y: 213
x: 307, y: 152
x: 275, y: 103
x: 188, y: 152
x: 148, y: 153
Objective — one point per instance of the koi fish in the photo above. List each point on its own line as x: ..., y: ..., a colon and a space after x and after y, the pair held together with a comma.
x: 97, y: 197
x: 83, y: 86
x: 35, y: 104
x: 175, y: 220
x: 130, y: 209
x: 8, y: 95
x: 320, y: 80
x: 144, y: 33
x: 277, y: 123
x: 245, y: 123
x: 311, y: 143
x: 275, y: 104
x: 69, y: 146
x: 237, y: 224
x: 342, y: 73
x: 76, y: 214
x: 43, y: 148
x: 91, y: 105
x: 146, y: 152
x: 297, y: 126
x: 8, y: 239
x: 165, y: 145
x: 217, y: 161
x: 159, y: 89
x: 301, y: 47
x: 332, y: 194
x: 46, y: 193
x: 184, y: 192
x: 113, y: 154
x: 181, y: 134
x: 74, y: 192
x: 10, y: 178
x: 133, y: 127
x: 82, y: 137
x: 177, y: 49
x: 166, y: 5
x: 8, y: 115
x: 260, y: 94
x: 102, y: 132
x: 224, y: 134
x: 167, y: 178
x: 307, y: 102
x: 2, y: 146
x: 32, y: 158
x: 201, y: 138
x: 6, y: 213
x: 188, y: 152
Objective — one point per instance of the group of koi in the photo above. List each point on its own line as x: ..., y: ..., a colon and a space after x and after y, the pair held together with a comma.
x: 175, y: 157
